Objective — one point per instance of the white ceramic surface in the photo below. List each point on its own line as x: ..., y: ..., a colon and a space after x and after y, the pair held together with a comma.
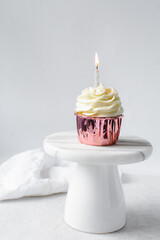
x: 95, y: 199
x: 65, y: 145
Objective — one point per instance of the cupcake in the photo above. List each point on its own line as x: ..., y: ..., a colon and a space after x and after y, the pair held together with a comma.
x: 99, y: 116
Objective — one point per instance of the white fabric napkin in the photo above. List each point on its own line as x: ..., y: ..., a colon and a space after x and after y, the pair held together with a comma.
x: 34, y: 173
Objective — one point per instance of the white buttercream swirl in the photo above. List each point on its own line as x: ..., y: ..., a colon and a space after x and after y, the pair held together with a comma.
x: 99, y: 102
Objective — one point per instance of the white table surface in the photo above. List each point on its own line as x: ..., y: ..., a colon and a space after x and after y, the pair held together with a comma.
x: 41, y: 218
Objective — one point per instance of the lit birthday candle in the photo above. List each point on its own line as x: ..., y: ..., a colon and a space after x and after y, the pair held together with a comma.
x: 96, y: 83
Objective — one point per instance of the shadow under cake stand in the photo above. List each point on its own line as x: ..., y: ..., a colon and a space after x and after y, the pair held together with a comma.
x: 95, y: 201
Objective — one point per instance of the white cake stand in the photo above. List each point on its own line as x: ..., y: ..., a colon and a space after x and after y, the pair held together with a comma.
x: 95, y: 200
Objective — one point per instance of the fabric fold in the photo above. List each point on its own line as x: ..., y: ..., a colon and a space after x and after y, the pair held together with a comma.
x: 34, y: 173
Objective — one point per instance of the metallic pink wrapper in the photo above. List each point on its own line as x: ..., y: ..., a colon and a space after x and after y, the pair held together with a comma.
x: 98, y: 131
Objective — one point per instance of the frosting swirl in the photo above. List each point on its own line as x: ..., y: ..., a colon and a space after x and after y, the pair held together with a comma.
x: 99, y: 102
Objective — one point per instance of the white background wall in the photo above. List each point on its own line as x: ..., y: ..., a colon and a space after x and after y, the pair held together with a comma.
x: 47, y: 57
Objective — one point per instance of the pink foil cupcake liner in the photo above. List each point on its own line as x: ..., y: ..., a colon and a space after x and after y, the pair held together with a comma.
x: 98, y: 131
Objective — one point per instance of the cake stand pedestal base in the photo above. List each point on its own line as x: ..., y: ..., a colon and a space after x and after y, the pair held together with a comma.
x: 95, y: 199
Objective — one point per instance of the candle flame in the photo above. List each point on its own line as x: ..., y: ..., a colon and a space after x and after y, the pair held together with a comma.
x: 96, y: 60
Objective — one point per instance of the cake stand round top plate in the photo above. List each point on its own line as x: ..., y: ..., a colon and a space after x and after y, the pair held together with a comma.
x: 128, y: 149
